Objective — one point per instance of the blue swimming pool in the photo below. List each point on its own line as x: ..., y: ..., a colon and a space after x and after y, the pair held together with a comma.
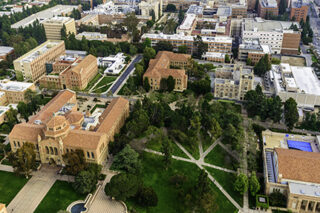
x: 299, y: 145
x: 78, y: 208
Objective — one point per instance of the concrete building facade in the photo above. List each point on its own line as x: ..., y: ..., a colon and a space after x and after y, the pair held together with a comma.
x: 53, y: 27
x: 253, y: 50
x: 232, y: 82
x: 32, y: 65
x: 14, y: 91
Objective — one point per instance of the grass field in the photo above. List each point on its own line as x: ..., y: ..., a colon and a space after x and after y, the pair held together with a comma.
x: 168, y: 198
x: 226, y: 180
x: 155, y: 145
x: 92, y: 82
x: 10, y: 185
x: 59, y: 197
x: 219, y: 157
x: 105, y: 80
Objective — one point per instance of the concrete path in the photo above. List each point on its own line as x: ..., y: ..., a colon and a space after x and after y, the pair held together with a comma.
x: 204, y: 154
x: 100, y: 79
x: 104, y: 204
x: 30, y: 196
x: 6, y: 168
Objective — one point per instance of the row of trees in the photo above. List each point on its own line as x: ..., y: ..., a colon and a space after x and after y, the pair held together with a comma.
x: 258, y: 104
x: 307, y: 32
x: 243, y: 184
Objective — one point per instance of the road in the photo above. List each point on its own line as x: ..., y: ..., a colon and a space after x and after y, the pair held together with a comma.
x: 125, y: 74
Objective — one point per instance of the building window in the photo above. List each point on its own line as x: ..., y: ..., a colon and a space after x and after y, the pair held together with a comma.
x: 55, y: 151
x: 47, y: 150
x: 15, y: 145
x: 18, y: 144
x: 51, y: 150
x: 92, y: 155
x: 88, y: 154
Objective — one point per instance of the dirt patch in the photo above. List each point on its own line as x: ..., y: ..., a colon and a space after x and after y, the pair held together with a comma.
x: 293, y: 61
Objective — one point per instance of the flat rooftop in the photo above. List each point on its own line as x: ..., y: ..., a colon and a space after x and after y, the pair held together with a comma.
x: 187, y: 22
x: 38, y: 51
x: 181, y: 36
x: 58, y: 20
x: 44, y: 15
x: 224, y: 11
x: 5, y: 50
x: 259, y: 24
x: 195, y: 9
x: 312, y: 190
x: 14, y: 85
x: 269, y: 3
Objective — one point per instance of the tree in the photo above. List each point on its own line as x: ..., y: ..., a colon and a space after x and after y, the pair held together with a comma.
x: 215, y: 129
x: 166, y: 149
x: 146, y: 196
x: 131, y: 22
x: 171, y: 8
x: 127, y: 160
x: 201, y: 47
x: 291, y: 115
x: 64, y: 32
x: 85, y: 182
x: 148, y: 53
x: 123, y: 186
x: 282, y: 7
x: 24, y: 159
x: 241, y: 183
x: 254, y: 184
x: 226, y: 58
x: 146, y: 43
x: 23, y: 109
x: 164, y: 46
x: 75, y: 162
x: 262, y: 66
x: 146, y: 84
x: 170, y: 83
x: 11, y: 117
x: 183, y: 49
x: 277, y: 198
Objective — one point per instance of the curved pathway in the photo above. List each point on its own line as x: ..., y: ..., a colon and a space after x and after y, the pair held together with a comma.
x: 103, y: 204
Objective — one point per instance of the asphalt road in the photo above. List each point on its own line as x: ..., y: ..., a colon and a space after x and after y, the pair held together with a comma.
x: 125, y: 74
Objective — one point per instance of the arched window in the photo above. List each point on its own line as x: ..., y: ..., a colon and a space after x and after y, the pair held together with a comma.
x: 47, y: 150
x: 88, y: 154
x: 67, y: 150
x: 51, y: 150
x: 18, y: 143
x: 92, y: 155
x: 14, y: 143
x: 55, y: 151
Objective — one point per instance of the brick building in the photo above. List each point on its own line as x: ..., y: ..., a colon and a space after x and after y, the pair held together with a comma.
x: 160, y: 68
x: 59, y: 128
x: 268, y: 8
x: 299, y: 10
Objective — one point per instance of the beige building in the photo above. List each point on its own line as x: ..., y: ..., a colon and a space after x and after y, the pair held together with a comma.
x: 71, y: 73
x: 3, y: 208
x: 291, y: 165
x: 32, y: 65
x: 160, y: 68
x: 253, y: 50
x: 232, y: 82
x: 14, y: 91
x: 54, y: 26
x: 59, y: 128
x: 147, y: 6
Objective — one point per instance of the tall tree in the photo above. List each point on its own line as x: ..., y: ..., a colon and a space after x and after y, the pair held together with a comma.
x: 166, y: 149
x: 123, y: 186
x: 127, y: 160
x: 131, y: 22
x: 24, y: 159
x: 170, y: 83
x: 291, y: 113
x: 75, y: 161
x: 84, y: 182
x: 241, y: 183
x: 201, y: 47
x: 254, y: 184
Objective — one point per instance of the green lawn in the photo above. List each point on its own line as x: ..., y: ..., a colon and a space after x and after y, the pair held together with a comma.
x: 59, y: 197
x: 207, y: 141
x: 194, y: 151
x: 219, y: 157
x: 168, y: 198
x: 155, y: 145
x: 226, y: 180
x: 93, y: 81
x: 10, y: 185
x: 102, y: 89
x: 106, y: 80
x: 6, y: 162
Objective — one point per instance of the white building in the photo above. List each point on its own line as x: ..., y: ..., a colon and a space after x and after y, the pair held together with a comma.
x: 268, y: 32
x: 58, y: 10
x: 147, y: 6
x: 92, y: 36
x: 110, y: 8
x: 188, y: 24
x: 113, y: 63
x: 299, y: 83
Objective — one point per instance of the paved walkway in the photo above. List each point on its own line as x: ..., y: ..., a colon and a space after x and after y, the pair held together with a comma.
x: 103, y: 204
x: 204, y: 154
x: 6, y: 168
x: 30, y: 196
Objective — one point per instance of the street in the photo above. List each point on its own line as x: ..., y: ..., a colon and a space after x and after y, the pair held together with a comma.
x: 125, y: 74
